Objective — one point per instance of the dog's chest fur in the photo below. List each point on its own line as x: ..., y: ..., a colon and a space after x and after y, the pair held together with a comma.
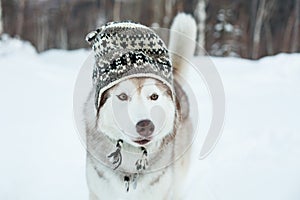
x: 154, y: 183
x: 151, y: 185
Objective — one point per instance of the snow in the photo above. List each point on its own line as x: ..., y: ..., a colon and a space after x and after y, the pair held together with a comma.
x: 258, y: 154
x: 42, y: 156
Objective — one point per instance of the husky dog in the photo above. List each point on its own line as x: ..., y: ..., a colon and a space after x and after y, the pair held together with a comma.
x: 137, y: 114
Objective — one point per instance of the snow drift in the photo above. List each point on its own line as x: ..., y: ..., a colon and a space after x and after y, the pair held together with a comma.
x: 42, y: 157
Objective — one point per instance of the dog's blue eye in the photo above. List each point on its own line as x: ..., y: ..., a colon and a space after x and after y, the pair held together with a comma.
x: 123, y: 97
x: 154, y: 97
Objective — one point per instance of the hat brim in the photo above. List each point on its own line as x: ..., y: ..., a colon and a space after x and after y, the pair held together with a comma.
x: 138, y: 75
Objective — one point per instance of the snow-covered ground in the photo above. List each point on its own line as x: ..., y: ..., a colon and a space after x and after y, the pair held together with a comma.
x: 258, y: 156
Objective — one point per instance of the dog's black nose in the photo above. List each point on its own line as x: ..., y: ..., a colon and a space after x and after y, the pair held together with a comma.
x: 145, y: 127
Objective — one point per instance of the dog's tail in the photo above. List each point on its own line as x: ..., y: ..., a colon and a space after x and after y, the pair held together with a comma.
x: 182, y: 41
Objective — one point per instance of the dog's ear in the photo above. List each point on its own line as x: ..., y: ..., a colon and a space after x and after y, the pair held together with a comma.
x: 105, y: 95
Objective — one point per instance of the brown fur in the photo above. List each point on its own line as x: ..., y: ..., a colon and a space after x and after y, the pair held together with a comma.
x: 139, y: 82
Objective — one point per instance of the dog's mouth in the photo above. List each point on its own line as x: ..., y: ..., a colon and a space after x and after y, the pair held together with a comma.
x: 142, y: 141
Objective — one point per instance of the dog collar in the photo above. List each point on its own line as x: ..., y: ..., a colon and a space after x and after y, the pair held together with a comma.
x: 116, y: 157
x: 141, y: 164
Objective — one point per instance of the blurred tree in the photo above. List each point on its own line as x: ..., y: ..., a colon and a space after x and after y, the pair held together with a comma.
x: 230, y: 27
x: 257, y: 29
x: 169, y: 5
x: 200, y: 15
x: 117, y: 10
x: 226, y: 34
x: 42, y: 32
x: 20, y: 16
x: 295, y: 40
x: 270, y: 5
x: 1, y: 20
x: 64, y: 18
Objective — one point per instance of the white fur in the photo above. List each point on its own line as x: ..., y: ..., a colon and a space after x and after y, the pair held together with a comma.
x: 182, y: 40
x: 119, y: 117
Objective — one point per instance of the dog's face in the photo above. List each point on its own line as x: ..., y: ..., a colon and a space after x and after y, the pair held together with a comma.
x: 138, y: 110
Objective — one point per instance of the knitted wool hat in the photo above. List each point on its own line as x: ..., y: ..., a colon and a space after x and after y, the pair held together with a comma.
x: 126, y: 50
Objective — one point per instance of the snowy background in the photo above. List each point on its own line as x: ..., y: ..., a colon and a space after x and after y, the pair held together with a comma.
x: 258, y: 156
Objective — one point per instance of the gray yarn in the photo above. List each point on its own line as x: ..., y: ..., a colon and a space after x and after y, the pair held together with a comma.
x: 126, y: 50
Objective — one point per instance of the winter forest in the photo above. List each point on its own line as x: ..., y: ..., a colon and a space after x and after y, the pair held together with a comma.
x: 239, y: 28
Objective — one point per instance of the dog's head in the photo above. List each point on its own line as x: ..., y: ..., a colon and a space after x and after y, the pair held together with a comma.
x: 140, y: 111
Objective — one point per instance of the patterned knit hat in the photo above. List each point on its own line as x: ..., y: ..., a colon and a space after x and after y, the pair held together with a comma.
x: 126, y: 50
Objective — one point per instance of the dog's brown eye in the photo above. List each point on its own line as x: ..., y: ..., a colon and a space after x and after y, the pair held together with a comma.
x: 154, y: 96
x: 123, y: 97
